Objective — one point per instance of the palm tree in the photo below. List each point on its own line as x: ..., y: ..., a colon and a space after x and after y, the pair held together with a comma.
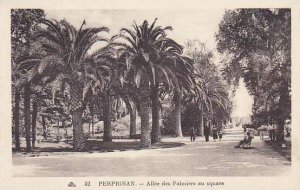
x: 16, y: 91
x: 34, y: 120
x: 151, y: 54
x: 107, y: 67
x: 60, y: 52
x: 184, y: 81
x: 27, y: 119
x: 131, y: 107
x: 194, y: 101
x: 208, y: 93
x: 216, y: 94
x: 173, y: 71
x: 128, y: 93
x: 16, y: 115
x: 208, y: 98
x: 138, y: 47
x: 23, y: 78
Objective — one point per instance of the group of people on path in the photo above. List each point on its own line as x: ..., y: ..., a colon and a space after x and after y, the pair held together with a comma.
x: 216, y: 133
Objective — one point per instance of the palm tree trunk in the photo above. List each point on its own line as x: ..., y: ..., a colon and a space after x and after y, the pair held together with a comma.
x: 107, y: 136
x: 156, y: 133
x: 132, y: 113
x: 210, y: 124
x: 284, y: 110
x: 283, y: 100
x: 145, y: 111
x: 201, y: 124
x: 92, y: 113
x: 79, y: 143
x: 117, y: 108
x: 34, y: 118
x: 66, y: 130
x: 133, y: 121
x: 58, y: 126
x: 76, y: 108
x: 280, y: 131
x: 44, y: 127
x: 177, y: 114
x: 16, y: 119
x: 27, y: 116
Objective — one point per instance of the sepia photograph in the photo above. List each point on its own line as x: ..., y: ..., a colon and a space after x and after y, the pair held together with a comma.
x: 179, y: 95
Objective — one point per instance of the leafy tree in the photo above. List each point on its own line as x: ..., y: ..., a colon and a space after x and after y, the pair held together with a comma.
x: 257, y: 44
x: 22, y: 27
x: 22, y: 22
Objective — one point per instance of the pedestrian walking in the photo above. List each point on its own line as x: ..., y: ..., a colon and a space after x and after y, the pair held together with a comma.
x: 272, y: 133
x: 193, y: 134
x: 215, y: 133
x: 206, y: 133
x: 220, y: 135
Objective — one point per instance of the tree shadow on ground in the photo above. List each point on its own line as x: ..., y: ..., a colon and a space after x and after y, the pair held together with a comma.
x: 251, y: 147
x: 93, y: 146
x: 277, y: 145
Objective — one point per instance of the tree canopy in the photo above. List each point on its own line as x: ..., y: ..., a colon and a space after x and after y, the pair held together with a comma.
x: 257, y: 47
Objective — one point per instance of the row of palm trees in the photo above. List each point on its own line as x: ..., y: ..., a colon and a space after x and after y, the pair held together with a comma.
x: 84, y: 68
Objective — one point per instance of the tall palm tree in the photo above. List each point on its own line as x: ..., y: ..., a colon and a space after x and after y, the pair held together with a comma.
x: 23, y: 77
x: 149, y: 52
x: 61, y: 52
x: 16, y: 115
x: 208, y: 92
x: 216, y: 94
x: 184, y: 81
x: 128, y: 93
x: 173, y: 71
x: 138, y: 48
x: 194, y: 101
x: 131, y: 107
x: 108, y: 68
x: 208, y: 98
x: 16, y: 91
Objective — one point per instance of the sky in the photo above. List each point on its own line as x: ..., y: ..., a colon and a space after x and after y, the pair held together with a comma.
x: 242, y: 102
x: 187, y: 25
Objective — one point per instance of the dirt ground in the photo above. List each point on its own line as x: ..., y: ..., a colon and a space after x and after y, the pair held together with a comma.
x: 198, y: 158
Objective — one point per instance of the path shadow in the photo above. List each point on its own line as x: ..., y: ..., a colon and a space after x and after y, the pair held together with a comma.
x: 248, y: 147
x: 94, y: 146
